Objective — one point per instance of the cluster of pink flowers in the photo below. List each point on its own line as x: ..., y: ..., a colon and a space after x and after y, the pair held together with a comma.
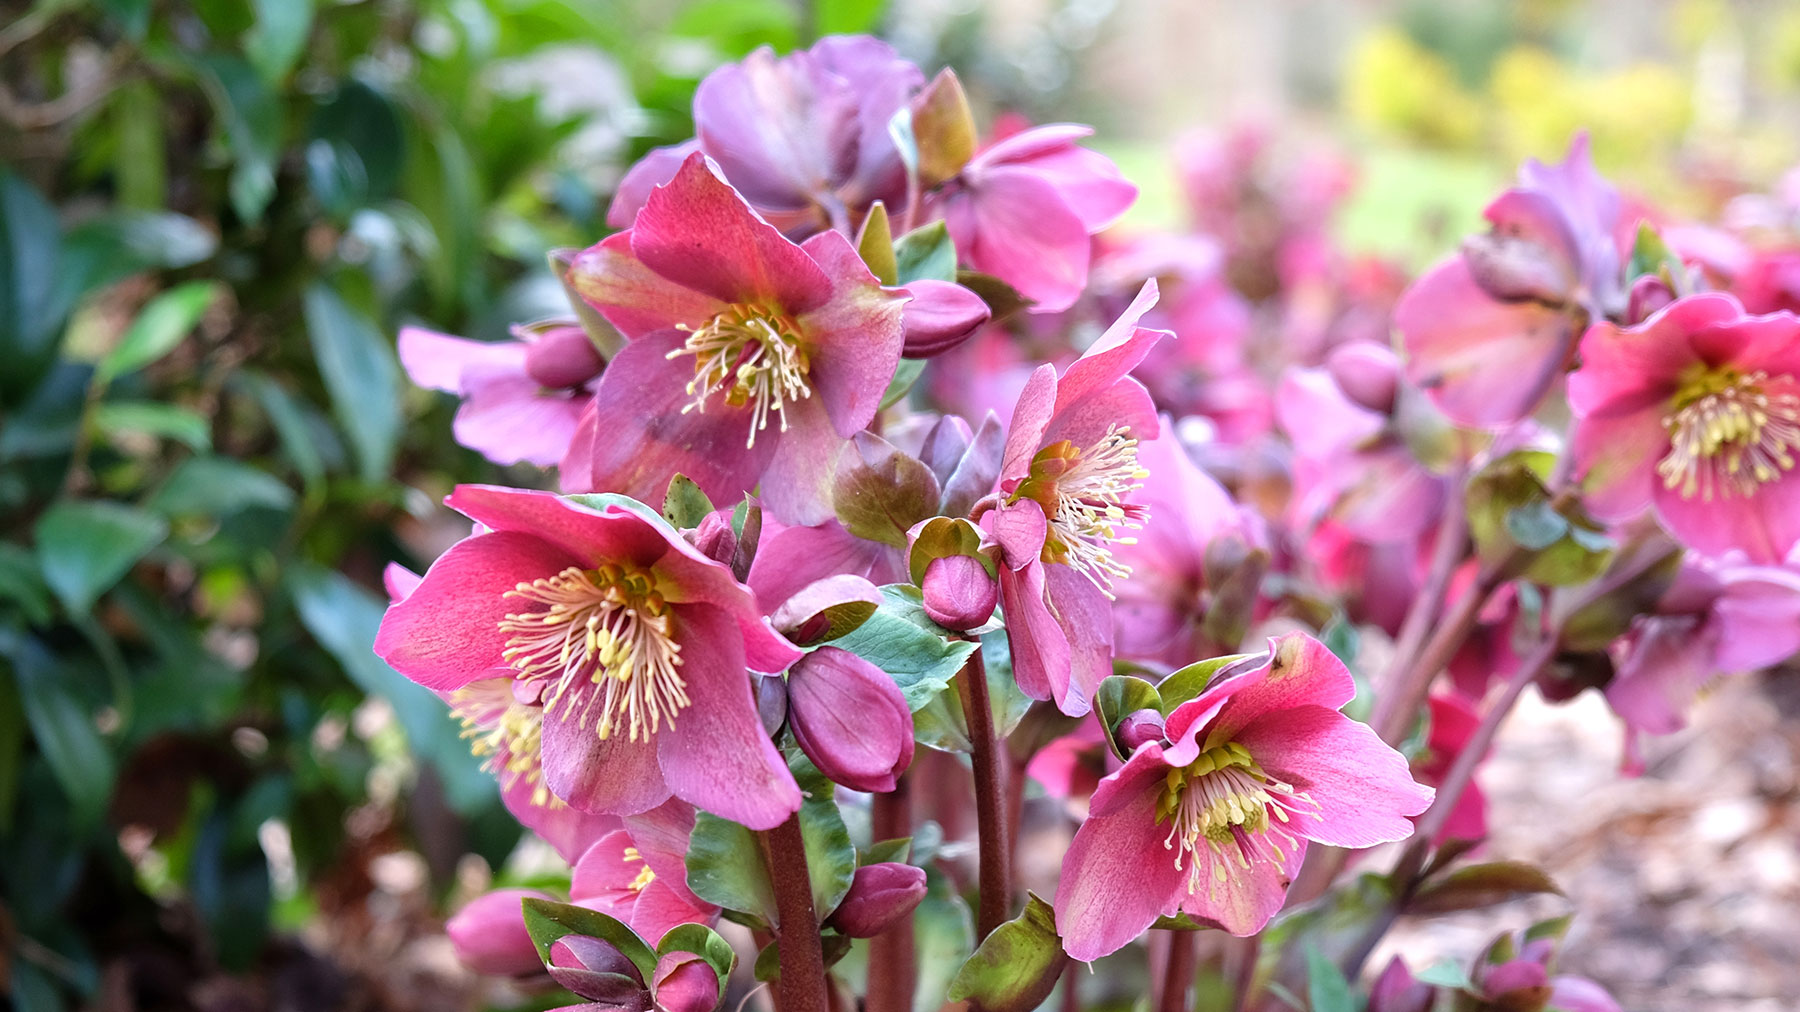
x: 856, y: 407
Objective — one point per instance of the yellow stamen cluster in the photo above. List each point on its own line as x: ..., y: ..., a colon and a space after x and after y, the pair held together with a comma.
x: 601, y: 638
x: 644, y: 876
x: 505, y: 734
x: 752, y: 357
x: 1083, y: 494
x: 1224, y: 800
x: 1729, y: 433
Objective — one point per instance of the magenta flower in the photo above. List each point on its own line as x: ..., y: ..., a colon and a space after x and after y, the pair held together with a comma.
x: 1215, y: 823
x: 1023, y: 211
x: 636, y: 645
x: 1453, y: 722
x: 638, y: 874
x: 732, y: 330
x: 850, y: 719
x: 521, y: 398
x: 1696, y: 412
x: 1516, y: 295
x: 1069, y: 468
x: 595, y: 969
x: 803, y: 137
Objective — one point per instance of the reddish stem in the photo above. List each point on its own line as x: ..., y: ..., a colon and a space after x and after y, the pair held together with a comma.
x: 893, y: 959
x: 802, y: 984
x: 990, y: 798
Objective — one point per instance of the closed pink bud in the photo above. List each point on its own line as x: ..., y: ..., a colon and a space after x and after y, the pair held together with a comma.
x: 1367, y: 373
x: 1139, y: 727
x: 940, y: 316
x: 489, y: 935
x: 960, y: 593
x: 880, y: 895
x: 850, y: 719
x: 714, y: 537
x: 1397, y: 991
x: 1648, y: 294
x: 563, y: 358
x: 686, y: 983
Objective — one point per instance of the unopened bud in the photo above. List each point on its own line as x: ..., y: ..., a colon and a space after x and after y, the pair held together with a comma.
x: 850, y: 719
x: 684, y: 982
x: 959, y: 592
x: 1367, y: 373
x: 880, y: 895
x: 489, y: 935
x: 1139, y: 728
x: 940, y: 316
x: 563, y: 358
x: 595, y: 969
x: 1648, y: 294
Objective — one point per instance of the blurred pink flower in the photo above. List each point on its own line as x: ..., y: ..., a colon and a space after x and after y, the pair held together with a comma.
x: 1453, y: 721
x: 1770, y: 282
x: 488, y: 935
x: 1696, y: 411
x: 1069, y: 468
x: 1215, y: 823
x: 636, y: 645
x: 1024, y: 208
x: 521, y: 398
x: 732, y: 329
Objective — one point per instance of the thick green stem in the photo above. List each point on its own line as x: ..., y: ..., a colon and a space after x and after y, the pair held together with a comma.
x: 802, y: 984
x: 990, y: 798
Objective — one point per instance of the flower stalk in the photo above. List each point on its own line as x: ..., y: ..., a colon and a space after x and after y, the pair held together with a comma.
x: 893, y: 958
x: 995, y: 876
x: 801, y: 987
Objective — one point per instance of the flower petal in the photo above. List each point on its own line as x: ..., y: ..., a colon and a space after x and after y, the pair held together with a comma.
x: 1040, y: 649
x: 854, y: 338
x: 1117, y: 878
x: 615, y: 776
x: 631, y: 296
x: 590, y: 536
x: 438, y: 361
x: 1085, y: 615
x: 1017, y: 227
x: 513, y: 419
x: 1241, y: 899
x: 1363, y: 788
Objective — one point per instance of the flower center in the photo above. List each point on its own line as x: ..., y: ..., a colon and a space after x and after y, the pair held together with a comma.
x: 602, y: 638
x: 752, y: 357
x: 506, y: 734
x: 644, y: 876
x: 1082, y: 492
x: 1730, y: 432
x: 1224, y: 800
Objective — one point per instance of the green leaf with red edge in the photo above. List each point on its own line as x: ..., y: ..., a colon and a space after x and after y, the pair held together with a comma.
x: 547, y: 920
x: 1015, y: 968
x: 1481, y: 885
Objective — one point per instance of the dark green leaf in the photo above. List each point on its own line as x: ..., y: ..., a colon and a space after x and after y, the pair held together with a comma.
x: 359, y: 368
x: 925, y: 253
x: 63, y: 727
x: 1650, y: 255
x: 830, y: 856
x: 219, y: 486
x: 547, y: 920
x: 159, y: 327
x: 285, y: 414
x: 22, y: 584
x: 725, y: 867
x: 155, y: 418
x: 252, y: 119
x: 1016, y: 967
x: 113, y: 246
x: 83, y: 548
x: 282, y: 27
x: 30, y: 311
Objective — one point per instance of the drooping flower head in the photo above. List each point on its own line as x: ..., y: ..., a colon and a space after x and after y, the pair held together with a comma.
x: 521, y: 398
x: 637, y: 874
x: 636, y: 647
x: 1213, y: 820
x: 1066, y: 479
x: 748, y: 357
x: 1696, y: 412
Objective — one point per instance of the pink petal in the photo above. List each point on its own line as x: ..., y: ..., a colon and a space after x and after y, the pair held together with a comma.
x: 489, y: 934
x: 614, y: 776
x: 790, y: 559
x: 1090, y: 184
x: 1116, y: 877
x: 796, y: 484
x: 651, y: 171
x: 437, y: 361
x: 399, y: 582
x: 512, y: 420
x: 1018, y: 228
x: 1040, y: 649
x: 661, y: 835
x: 1319, y: 419
x: 1363, y: 788
x: 1238, y: 899
x: 854, y: 338
x: 590, y: 536
x: 1085, y: 616
x: 699, y: 233
x: 447, y: 632
x: 716, y: 756
x: 602, y: 873
x: 631, y: 296
x: 1300, y: 671
x: 1616, y: 457
x: 1030, y: 419
x: 848, y: 716
x: 1764, y: 526
x: 1020, y: 529
x: 660, y: 907
x: 1758, y: 616
x: 782, y: 129
x: 568, y: 831
x: 1628, y: 370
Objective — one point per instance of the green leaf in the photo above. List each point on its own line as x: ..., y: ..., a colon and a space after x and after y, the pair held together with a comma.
x: 1535, y: 525
x: 830, y: 856
x: 1326, y: 988
x: 725, y: 867
x: 23, y: 585
x: 1481, y: 885
x: 140, y: 156
x: 83, y: 548
x: 880, y: 491
x: 943, y: 129
x: 1118, y: 697
x: 30, y: 310
x: 114, y: 246
x: 1188, y: 683
x: 899, y: 640
x: 876, y: 245
x: 945, y: 934
x: 685, y: 505
x: 155, y: 418
x: 703, y: 942
x: 1650, y: 255
x: 849, y: 17
x: 252, y: 119
x: 164, y: 321
x: 925, y: 253
x: 275, y: 43
x: 1516, y: 525
x: 286, y: 415
x: 63, y: 727
x: 884, y: 851
x: 363, y: 376
x: 219, y: 486
x: 547, y: 920
x: 12, y: 750
x: 1002, y: 299
x: 905, y: 375
x: 1016, y: 967
x: 1445, y: 973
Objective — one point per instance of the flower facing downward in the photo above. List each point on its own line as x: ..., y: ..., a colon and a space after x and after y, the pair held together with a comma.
x: 1213, y: 819
x: 631, y: 649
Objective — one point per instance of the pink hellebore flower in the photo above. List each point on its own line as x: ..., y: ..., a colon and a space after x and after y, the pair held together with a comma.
x: 638, y: 874
x: 1525, y: 984
x: 521, y: 398
x: 1516, y: 294
x: 1215, y: 823
x: 850, y: 719
x: 1069, y: 467
x: 1023, y: 210
x: 1696, y: 411
x: 489, y: 936
x: 732, y: 330
x: 636, y: 645
x: 804, y: 137
x: 596, y: 970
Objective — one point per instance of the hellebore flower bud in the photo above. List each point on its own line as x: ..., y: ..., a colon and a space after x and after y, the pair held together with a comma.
x: 960, y: 593
x: 597, y: 970
x: 1396, y: 991
x: 714, y: 537
x: 940, y: 316
x: 563, y: 358
x: 880, y: 895
x: 1648, y: 294
x: 489, y: 935
x: 686, y: 983
x: 850, y: 719
x: 1367, y: 373
x: 1139, y: 727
